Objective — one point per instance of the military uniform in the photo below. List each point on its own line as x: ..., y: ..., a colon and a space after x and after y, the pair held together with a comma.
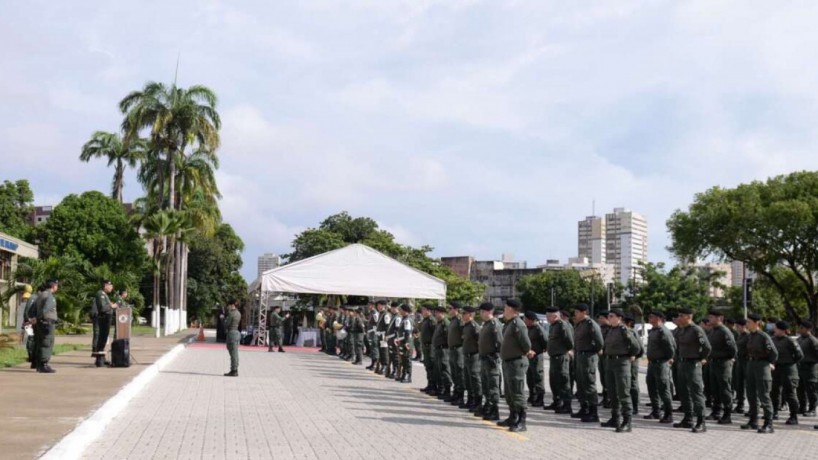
x: 427, y: 331
x: 808, y: 374
x: 231, y: 325
x: 588, y: 342
x: 471, y: 348
x: 560, y: 342
x: 535, y: 376
x: 384, y: 321
x: 440, y: 343
x: 604, y: 328
x: 661, y: 349
x: 513, y: 350
x: 785, y: 376
x: 331, y: 342
x: 45, y: 310
x: 29, y: 313
x: 372, y: 336
x: 761, y: 352
x: 274, y: 323
x: 456, y: 359
x: 405, y: 346
x: 740, y: 367
x: 356, y: 334
x: 692, y: 348
x: 101, y: 313
x: 721, y: 360
x: 489, y: 344
x: 621, y: 346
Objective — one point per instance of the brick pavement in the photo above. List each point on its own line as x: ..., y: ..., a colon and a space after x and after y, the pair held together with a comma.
x: 306, y: 405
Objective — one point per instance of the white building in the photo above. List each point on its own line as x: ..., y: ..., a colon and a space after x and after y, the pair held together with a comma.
x: 739, y: 272
x: 591, y: 239
x: 11, y: 249
x: 626, y: 243
x: 268, y: 261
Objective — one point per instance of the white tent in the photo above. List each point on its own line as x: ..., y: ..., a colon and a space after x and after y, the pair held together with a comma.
x: 352, y: 270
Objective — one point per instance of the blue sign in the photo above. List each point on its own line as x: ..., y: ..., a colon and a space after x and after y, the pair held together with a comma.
x: 10, y: 245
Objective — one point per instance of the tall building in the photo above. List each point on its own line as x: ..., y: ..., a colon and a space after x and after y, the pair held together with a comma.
x: 739, y: 272
x: 591, y: 239
x: 268, y: 261
x: 626, y: 243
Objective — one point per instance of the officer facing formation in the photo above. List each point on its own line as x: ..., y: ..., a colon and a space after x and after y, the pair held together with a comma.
x: 231, y: 325
x: 274, y: 333
x: 102, y: 310
x: 404, y: 343
x: 514, y: 351
x: 384, y: 321
x: 535, y: 376
x: 621, y: 349
x: 588, y: 342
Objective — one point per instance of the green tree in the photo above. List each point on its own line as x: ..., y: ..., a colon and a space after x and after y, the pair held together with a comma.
x: 560, y: 288
x: 767, y: 225
x: 312, y: 242
x: 214, y: 276
x: 110, y: 146
x: 663, y: 290
x: 16, y: 206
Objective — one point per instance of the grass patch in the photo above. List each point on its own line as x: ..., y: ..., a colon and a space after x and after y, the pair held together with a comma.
x: 142, y: 330
x: 10, y: 357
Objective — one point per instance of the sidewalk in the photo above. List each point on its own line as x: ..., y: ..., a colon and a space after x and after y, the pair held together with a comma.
x: 39, y: 409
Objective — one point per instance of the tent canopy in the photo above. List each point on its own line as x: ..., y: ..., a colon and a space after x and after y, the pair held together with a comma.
x: 352, y: 270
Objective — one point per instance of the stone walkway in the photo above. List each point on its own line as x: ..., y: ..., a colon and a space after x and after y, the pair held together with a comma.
x: 306, y: 405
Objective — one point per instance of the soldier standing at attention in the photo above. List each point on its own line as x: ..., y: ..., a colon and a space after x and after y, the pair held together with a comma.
x: 535, y: 376
x: 329, y: 329
x: 572, y: 367
x: 602, y: 320
x: 274, y: 324
x: 403, y: 342
x: 761, y: 354
x: 489, y: 344
x: 661, y: 350
x: 560, y: 343
x: 785, y: 375
x: 231, y: 325
x: 807, y: 370
x: 621, y: 348
x: 391, y: 333
x: 740, y: 366
x: 384, y: 320
x: 427, y: 331
x: 471, y: 336
x: 588, y: 342
x: 630, y: 322
x: 101, y: 313
x: 440, y: 343
x: 513, y: 352
x: 45, y: 316
x: 722, y: 357
x: 356, y: 333
x: 371, y: 332
x: 693, y: 349
x: 456, y: 363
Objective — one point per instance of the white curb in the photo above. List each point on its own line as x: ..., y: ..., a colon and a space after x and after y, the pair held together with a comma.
x: 74, y: 443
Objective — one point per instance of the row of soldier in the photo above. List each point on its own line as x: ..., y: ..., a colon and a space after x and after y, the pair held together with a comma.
x: 467, y: 360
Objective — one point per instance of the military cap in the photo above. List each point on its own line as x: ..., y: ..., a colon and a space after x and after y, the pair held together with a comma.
x: 741, y: 321
x: 754, y: 317
x: 552, y: 310
x: 441, y: 309
x: 806, y: 323
x: 106, y: 281
x: 602, y: 313
x: 381, y: 302
x: 406, y: 307
x: 617, y: 312
x: 783, y: 325
x: 455, y: 305
x: 469, y: 309
x: 582, y: 307
x: 729, y: 321
x: 394, y: 305
x: 425, y: 306
x: 657, y: 314
x: 531, y: 315
x: 514, y: 303
x: 714, y: 312
x: 486, y: 306
x: 685, y: 311
x: 705, y: 320
x: 628, y: 318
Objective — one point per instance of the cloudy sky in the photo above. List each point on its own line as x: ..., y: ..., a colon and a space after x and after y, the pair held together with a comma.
x: 478, y: 127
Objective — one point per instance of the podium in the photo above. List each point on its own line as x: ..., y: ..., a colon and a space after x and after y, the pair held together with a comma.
x: 121, y: 346
x: 123, y: 319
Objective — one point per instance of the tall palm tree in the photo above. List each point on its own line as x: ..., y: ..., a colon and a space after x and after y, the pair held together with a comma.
x: 109, y: 145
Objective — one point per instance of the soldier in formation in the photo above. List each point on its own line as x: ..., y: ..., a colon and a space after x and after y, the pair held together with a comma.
x: 489, y: 344
x: 588, y: 343
x: 807, y: 370
x: 621, y: 349
x: 427, y: 331
x: 514, y: 352
x: 722, y: 357
x: 471, y: 359
x: 661, y: 350
x: 560, y: 344
x: 785, y: 375
x: 456, y: 361
x: 761, y: 354
x: 535, y: 377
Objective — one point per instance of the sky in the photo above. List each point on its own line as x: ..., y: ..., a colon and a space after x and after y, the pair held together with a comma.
x: 477, y: 127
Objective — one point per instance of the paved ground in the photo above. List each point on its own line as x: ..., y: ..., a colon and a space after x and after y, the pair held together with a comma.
x: 37, y: 410
x: 308, y: 405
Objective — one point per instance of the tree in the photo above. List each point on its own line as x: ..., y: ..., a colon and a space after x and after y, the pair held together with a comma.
x: 110, y: 146
x: 767, y: 225
x: 94, y: 228
x: 215, y: 262
x: 560, y: 288
x: 663, y: 290
x: 312, y: 242
x: 16, y: 207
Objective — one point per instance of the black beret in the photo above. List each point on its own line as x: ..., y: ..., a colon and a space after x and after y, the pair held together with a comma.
x: 394, y: 305
x: 531, y: 315
x: 754, y: 317
x: 741, y: 321
x: 783, y: 325
x: 441, y: 308
x: 581, y: 307
x: 628, y: 319
x: 381, y: 302
x: 715, y: 313
x: 602, y: 313
x: 514, y: 303
x: 705, y: 320
x: 729, y: 321
x: 617, y: 312
x: 806, y: 323
x: 552, y: 310
x: 104, y: 282
x: 657, y: 314
x: 406, y: 307
x: 685, y: 311
x: 469, y: 309
x: 487, y: 306
x: 455, y: 305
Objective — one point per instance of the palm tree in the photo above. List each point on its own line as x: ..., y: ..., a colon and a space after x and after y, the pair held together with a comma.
x: 109, y: 145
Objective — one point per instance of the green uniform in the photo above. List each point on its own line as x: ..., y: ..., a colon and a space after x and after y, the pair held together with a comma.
x: 721, y: 360
x: 808, y: 373
x: 588, y: 342
x: 405, y: 346
x: 45, y: 310
x: 785, y: 375
x: 513, y: 350
x: 456, y: 362
x: 329, y: 333
x: 692, y: 348
x: 371, y: 335
x: 740, y: 369
x: 560, y: 342
x: 274, y: 324
x: 440, y: 344
x: 761, y: 352
x: 604, y: 328
x: 356, y: 334
x: 231, y: 325
x: 391, y: 334
x: 384, y: 320
x: 427, y: 331
x: 620, y: 346
x: 634, y: 392
x: 101, y: 314
x: 535, y: 376
x: 489, y: 344
x: 661, y: 349
x: 471, y: 348
x: 30, y: 313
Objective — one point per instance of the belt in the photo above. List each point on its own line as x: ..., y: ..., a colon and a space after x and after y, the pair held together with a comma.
x: 455, y: 347
x: 688, y: 360
x: 750, y: 358
x: 720, y: 359
x: 589, y: 352
x: 512, y: 359
x: 442, y: 347
x: 617, y: 356
x: 471, y: 354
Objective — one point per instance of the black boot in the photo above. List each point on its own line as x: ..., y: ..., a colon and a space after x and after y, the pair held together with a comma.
x: 715, y: 414
x: 100, y: 361
x: 725, y: 418
x: 653, y: 415
x: 739, y: 409
x: 446, y: 393
x: 592, y: 416
x: 625, y: 426
x: 565, y: 408
x: 493, y: 413
x: 751, y: 424
x: 378, y: 369
x: 767, y: 427
x: 407, y: 378
x: 457, y: 400
x: 635, y: 403
x: 475, y: 403
x: 793, y: 420
x: 538, y: 400
x: 700, y: 427
x: 520, y: 425
x: 510, y: 421
x: 553, y: 406
x: 612, y: 422
x: 667, y: 417
x: 44, y: 368
x: 582, y: 412
x: 467, y: 403
x: 372, y: 366
x: 479, y: 409
x: 685, y: 423
x: 232, y: 374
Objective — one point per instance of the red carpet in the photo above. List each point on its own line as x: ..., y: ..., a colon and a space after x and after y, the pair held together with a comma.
x: 221, y: 346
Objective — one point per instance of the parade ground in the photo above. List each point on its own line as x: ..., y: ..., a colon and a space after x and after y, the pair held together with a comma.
x: 303, y: 404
